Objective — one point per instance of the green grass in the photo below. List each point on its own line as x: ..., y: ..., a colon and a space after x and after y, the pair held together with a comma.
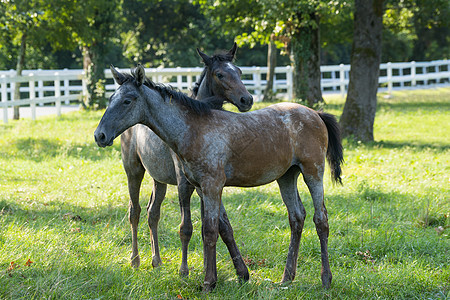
x: 63, y: 205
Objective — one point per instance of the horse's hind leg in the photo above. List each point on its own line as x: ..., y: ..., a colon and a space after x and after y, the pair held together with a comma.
x: 315, y: 186
x: 135, y: 176
x: 185, y: 190
x: 153, y: 215
x: 296, y: 214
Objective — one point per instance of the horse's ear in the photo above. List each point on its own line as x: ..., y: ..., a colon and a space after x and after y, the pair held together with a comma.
x: 206, y: 59
x: 140, y: 75
x: 118, y: 77
x: 232, y: 51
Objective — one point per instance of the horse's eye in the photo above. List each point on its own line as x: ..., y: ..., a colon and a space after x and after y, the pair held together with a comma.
x: 127, y: 101
x: 219, y: 75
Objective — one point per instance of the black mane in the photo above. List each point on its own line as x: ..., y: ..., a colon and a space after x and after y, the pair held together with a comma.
x: 168, y: 92
x: 216, y: 57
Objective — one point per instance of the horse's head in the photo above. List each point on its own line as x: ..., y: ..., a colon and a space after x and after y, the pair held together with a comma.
x: 225, y: 79
x: 125, y: 108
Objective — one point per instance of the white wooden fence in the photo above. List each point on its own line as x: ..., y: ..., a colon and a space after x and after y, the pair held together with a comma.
x: 55, y: 87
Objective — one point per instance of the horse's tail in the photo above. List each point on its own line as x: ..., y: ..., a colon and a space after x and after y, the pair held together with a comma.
x: 335, y: 154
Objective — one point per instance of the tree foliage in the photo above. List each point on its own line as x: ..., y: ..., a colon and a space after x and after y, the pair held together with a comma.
x: 93, y: 24
x: 296, y: 27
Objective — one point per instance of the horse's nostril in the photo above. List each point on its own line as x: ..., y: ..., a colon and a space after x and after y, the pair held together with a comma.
x: 101, y: 137
x: 247, y: 100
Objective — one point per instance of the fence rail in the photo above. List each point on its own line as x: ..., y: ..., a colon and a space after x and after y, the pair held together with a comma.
x: 40, y: 87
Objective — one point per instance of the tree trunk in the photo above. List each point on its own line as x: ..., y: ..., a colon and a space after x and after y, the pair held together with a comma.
x: 305, y: 57
x: 19, y: 68
x: 360, y: 107
x: 271, y: 64
x: 93, y: 67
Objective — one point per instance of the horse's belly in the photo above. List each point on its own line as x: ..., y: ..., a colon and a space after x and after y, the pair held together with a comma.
x: 244, y: 179
x: 156, y: 157
x: 257, y: 171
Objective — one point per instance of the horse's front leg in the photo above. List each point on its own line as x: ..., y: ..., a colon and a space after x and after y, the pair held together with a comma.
x: 185, y: 190
x: 227, y: 235
x: 135, y: 176
x: 153, y: 215
x: 212, y: 192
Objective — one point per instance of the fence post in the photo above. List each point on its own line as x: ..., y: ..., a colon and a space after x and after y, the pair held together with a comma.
x: 448, y: 70
x: 289, y: 83
x: 274, y: 86
x: 342, y: 80
x: 179, y: 79
x: 400, y: 73
x: 66, y: 88
x: 58, y: 94
x: 189, y: 79
x: 4, y: 99
x: 389, y: 77
x: 84, y: 87
x: 413, y: 73
x: 40, y: 88
x: 32, y: 96
x: 257, y: 80
x: 333, y: 79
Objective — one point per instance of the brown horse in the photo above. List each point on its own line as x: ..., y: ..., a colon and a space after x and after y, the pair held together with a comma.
x: 143, y: 150
x: 218, y: 148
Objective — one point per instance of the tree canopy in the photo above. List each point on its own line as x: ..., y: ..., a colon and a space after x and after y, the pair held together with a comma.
x: 166, y: 33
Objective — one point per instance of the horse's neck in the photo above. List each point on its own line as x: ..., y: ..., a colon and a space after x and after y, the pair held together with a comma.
x: 167, y: 119
x: 204, y: 91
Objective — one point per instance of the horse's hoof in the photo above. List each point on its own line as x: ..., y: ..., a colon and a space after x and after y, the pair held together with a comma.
x: 285, y: 283
x: 156, y: 262
x: 208, y: 286
x: 244, y: 276
x: 135, y: 261
x: 326, y: 280
x: 287, y: 279
x: 184, y: 272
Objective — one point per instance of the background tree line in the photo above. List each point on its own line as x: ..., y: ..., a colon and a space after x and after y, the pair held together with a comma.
x: 166, y: 32
x: 304, y: 33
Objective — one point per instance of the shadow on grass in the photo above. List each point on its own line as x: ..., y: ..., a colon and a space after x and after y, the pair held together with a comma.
x: 350, y: 144
x: 413, y: 105
x: 41, y: 149
x: 441, y: 147
x: 255, y: 208
x: 60, y: 210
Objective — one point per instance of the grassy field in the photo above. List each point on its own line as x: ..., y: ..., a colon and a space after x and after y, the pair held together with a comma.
x: 64, y: 231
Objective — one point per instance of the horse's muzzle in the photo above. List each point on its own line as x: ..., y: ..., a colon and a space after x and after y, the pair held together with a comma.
x: 245, y: 103
x: 102, y: 140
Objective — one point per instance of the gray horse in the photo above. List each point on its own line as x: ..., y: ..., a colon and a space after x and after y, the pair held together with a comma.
x: 143, y: 150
